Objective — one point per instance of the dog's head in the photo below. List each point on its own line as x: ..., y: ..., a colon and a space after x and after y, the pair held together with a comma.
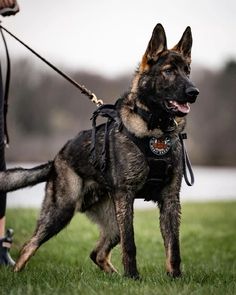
x: 163, y: 75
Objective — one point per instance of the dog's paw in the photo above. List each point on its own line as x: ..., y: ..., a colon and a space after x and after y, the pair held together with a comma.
x: 174, y: 274
x: 103, y: 263
x: 134, y: 276
x: 17, y: 268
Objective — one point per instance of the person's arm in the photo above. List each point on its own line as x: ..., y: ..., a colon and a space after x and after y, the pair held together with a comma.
x: 7, y: 8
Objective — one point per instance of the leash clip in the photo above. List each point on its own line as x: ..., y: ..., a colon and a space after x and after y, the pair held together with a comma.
x: 98, y: 102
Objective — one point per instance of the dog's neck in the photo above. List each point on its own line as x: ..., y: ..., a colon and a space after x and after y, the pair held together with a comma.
x: 156, y: 119
x: 140, y: 121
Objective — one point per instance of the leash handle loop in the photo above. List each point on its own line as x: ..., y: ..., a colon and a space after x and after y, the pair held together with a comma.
x: 6, y: 89
x: 186, y: 162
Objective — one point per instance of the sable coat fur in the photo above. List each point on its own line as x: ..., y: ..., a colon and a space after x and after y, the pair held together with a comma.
x: 156, y: 105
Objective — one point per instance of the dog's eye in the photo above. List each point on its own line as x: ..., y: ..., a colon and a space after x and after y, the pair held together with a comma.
x: 168, y: 71
x: 187, y: 70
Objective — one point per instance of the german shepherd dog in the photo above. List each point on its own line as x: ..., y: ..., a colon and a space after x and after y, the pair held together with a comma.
x: 155, y: 108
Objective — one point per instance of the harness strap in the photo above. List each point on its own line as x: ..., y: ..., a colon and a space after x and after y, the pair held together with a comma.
x: 105, y: 148
x: 186, y: 162
x: 110, y: 112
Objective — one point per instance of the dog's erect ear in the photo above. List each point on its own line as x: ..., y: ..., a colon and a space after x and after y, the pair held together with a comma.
x: 157, y: 44
x: 185, y: 44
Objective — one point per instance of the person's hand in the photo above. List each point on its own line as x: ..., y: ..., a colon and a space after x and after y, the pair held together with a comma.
x: 8, y: 7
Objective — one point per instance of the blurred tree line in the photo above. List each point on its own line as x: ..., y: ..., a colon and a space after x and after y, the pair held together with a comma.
x: 45, y: 111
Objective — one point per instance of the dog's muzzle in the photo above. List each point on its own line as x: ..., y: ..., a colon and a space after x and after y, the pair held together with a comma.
x: 191, y: 93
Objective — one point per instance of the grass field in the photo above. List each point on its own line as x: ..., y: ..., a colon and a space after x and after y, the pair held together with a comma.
x: 62, y: 266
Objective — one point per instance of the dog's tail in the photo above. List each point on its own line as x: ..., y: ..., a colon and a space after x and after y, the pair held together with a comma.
x: 16, y: 178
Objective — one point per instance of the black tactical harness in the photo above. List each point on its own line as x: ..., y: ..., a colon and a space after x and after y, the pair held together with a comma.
x: 157, y: 152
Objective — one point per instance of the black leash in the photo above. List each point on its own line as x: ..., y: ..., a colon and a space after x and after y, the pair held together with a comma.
x: 82, y: 88
x: 6, y: 89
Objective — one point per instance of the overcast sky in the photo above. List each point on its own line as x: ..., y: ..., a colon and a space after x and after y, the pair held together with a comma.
x: 110, y: 36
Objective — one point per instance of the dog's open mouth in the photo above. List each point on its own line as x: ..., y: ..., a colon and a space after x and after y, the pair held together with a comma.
x: 182, y: 107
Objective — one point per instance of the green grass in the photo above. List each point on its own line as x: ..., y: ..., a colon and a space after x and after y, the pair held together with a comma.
x: 62, y: 266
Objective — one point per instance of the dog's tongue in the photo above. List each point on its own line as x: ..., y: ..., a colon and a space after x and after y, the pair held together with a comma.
x: 182, y: 107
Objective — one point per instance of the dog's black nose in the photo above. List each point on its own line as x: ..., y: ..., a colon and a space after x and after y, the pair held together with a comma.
x: 192, y: 93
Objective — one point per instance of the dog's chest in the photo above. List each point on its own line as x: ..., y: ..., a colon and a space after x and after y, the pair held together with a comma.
x: 161, y: 155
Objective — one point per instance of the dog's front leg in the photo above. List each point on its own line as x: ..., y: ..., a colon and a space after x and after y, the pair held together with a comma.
x: 124, y: 212
x: 169, y: 222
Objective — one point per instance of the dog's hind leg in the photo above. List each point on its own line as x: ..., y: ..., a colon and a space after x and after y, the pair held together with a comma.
x: 102, y: 253
x: 103, y: 213
x: 58, y: 208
